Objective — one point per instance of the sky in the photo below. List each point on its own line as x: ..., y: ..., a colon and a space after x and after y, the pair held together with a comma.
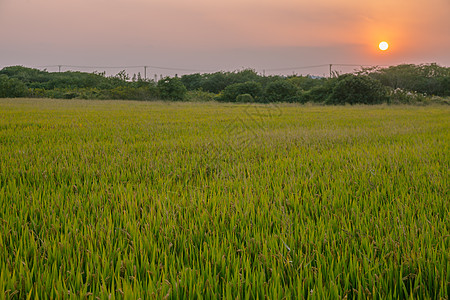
x: 188, y: 36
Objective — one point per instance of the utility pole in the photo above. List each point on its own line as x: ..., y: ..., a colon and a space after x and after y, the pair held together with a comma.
x: 59, y: 68
x: 145, y: 72
x: 331, y: 72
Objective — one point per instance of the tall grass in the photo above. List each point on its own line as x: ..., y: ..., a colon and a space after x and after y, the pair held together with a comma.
x: 188, y: 200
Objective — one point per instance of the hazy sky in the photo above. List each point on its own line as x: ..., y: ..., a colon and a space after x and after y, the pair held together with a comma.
x: 211, y: 35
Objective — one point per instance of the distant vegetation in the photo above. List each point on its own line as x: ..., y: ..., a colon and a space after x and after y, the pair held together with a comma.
x: 397, y: 84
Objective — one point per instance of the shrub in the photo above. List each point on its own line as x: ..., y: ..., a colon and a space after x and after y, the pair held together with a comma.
x: 306, y: 82
x: 37, y: 93
x: 199, y: 96
x: 231, y: 92
x: 245, y: 98
x: 90, y: 93
x: 398, y: 96
x: 12, y: 88
x: 171, y: 89
x: 192, y: 82
x: 444, y: 83
x: 439, y: 100
x: 355, y: 89
x: 130, y: 93
x: 318, y: 94
x: 429, y: 79
x: 215, y: 82
x: 280, y: 90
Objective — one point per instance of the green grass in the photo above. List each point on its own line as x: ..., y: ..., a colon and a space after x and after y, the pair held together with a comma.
x: 183, y: 200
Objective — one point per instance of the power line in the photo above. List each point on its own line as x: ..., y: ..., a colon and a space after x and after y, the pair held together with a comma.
x: 317, y: 66
x: 144, y: 67
x: 180, y: 69
x: 296, y: 68
x: 124, y: 67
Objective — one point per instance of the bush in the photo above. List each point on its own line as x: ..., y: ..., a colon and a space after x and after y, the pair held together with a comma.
x: 280, y: 90
x: 297, y: 98
x: 231, y: 92
x: 398, y: 96
x: 306, y: 83
x: 171, y: 89
x: 37, y: 93
x: 199, y: 96
x: 245, y: 98
x: 320, y: 93
x: 438, y: 100
x: 192, y: 82
x: 129, y: 93
x: 12, y: 88
x: 429, y: 79
x: 444, y: 83
x: 90, y: 93
x: 355, y: 89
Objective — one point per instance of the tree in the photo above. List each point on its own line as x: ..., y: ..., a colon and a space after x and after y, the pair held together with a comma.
x: 218, y: 81
x: 425, y: 78
x: 12, y: 87
x: 215, y: 82
x: 280, y: 90
x: 321, y: 92
x: 231, y: 92
x: 123, y: 76
x: 171, y: 89
x: 245, y: 98
x: 192, y: 82
x: 355, y: 89
x: 306, y: 83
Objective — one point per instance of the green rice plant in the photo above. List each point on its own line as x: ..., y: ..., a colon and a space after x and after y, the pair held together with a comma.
x: 120, y: 199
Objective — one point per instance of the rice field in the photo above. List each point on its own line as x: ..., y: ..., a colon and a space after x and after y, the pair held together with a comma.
x: 128, y: 200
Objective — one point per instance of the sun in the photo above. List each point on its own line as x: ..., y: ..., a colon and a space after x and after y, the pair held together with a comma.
x: 383, y: 46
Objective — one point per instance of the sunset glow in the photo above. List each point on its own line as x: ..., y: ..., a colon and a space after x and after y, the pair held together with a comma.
x: 222, y: 35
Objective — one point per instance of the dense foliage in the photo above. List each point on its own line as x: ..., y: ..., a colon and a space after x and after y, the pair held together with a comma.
x: 397, y: 84
x: 12, y: 87
x: 171, y: 89
x: 426, y: 79
x: 231, y: 92
x: 281, y: 90
x: 355, y: 89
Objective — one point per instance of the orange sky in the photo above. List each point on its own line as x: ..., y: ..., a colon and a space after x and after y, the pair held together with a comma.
x: 223, y: 35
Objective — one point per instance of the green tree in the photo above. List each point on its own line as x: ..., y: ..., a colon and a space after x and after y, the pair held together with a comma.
x: 280, y: 90
x: 27, y: 75
x: 12, y: 87
x: 319, y: 93
x: 216, y: 82
x: 355, y: 89
x: 171, y: 89
x: 245, y: 98
x: 192, y: 82
x: 231, y: 92
x: 306, y: 83
x: 425, y: 78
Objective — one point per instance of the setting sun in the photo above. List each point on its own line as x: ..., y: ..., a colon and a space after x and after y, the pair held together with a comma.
x: 383, y: 46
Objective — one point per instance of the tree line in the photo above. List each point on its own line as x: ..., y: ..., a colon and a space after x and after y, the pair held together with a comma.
x: 396, y: 84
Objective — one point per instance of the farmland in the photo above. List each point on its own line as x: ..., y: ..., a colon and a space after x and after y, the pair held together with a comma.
x: 127, y: 199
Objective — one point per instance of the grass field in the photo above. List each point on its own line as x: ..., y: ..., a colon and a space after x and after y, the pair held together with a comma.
x: 182, y: 200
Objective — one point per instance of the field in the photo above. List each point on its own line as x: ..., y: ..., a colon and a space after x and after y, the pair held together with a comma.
x: 116, y: 199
